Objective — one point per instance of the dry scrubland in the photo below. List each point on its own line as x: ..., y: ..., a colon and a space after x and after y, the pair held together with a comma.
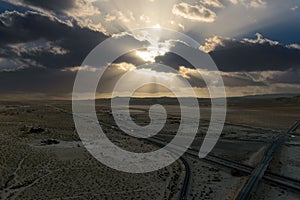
x: 33, y: 167
x: 30, y: 170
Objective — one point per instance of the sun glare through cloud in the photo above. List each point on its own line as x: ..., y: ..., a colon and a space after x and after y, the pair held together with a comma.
x: 222, y: 27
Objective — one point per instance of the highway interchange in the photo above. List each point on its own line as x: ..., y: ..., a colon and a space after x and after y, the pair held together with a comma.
x: 255, y: 174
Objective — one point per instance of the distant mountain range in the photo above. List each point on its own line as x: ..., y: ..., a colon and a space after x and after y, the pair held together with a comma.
x: 267, y: 98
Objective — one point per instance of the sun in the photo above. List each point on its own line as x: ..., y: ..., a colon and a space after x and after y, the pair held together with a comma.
x: 156, y: 47
x: 153, y: 51
x: 157, y: 26
x: 148, y: 56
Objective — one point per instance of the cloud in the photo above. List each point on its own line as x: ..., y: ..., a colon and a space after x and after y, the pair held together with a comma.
x: 231, y: 79
x: 154, y: 45
x: 37, y: 80
x: 260, y: 54
x: 65, y: 10
x: 50, y: 43
x: 126, y: 17
x: 80, y: 68
x: 290, y: 76
x: 73, y: 8
x: 110, y: 18
x: 22, y: 55
x: 218, y: 42
x: 211, y: 44
x: 294, y: 8
x: 154, y: 50
x: 123, y: 66
x: 145, y: 19
x: 294, y: 46
x: 213, y: 3
x: 242, y: 79
x: 43, y: 41
x: 35, y: 47
x: 261, y: 40
x: 257, y: 3
x: 195, y: 13
x: 250, y: 3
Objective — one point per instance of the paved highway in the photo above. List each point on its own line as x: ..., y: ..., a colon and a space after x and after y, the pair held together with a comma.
x: 252, y: 183
x: 185, y: 184
x: 256, y: 173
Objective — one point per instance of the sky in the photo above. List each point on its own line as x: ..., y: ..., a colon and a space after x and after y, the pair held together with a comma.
x: 254, y: 43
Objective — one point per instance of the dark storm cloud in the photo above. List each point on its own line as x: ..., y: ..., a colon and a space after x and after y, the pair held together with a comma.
x: 288, y: 77
x: 17, y: 29
x: 173, y: 60
x: 53, y: 5
x: 230, y: 55
x: 37, y: 80
x: 169, y: 59
x: 59, y: 7
x: 234, y: 80
x: 237, y: 79
x: 255, y: 55
x: 130, y: 58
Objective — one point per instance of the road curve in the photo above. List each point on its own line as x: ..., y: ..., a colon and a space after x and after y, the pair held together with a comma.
x: 185, y: 184
x: 281, y: 181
